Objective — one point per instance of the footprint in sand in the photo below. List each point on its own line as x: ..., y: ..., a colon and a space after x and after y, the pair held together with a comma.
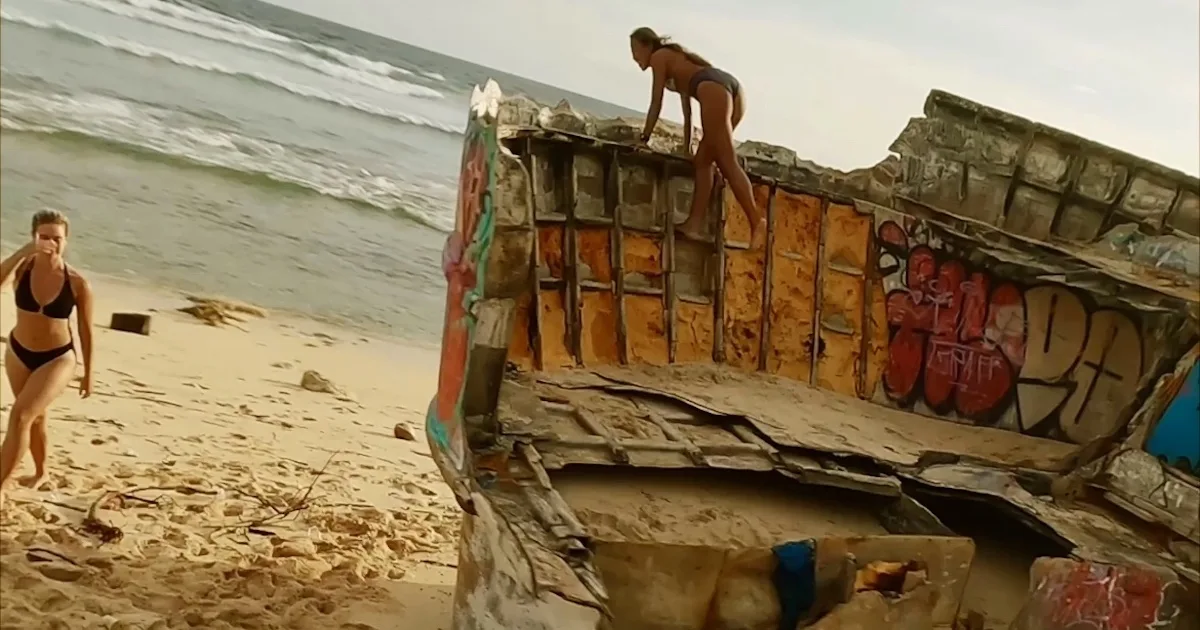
x: 411, y: 488
x: 61, y: 572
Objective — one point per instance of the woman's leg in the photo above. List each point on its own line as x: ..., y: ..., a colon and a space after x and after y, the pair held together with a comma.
x: 17, y: 375
x: 739, y: 110
x: 716, y: 111
x: 735, y: 118
x: 39, y: 391
x: 16, y: 371
x: 37, y: 448
x: 702, y: 187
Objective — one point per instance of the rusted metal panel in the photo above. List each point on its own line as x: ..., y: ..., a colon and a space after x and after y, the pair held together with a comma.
x: 840, y: 323
x: 743, y: 307
x: 647, y: 329
x: 598, y: 316
x: 791, y: 306
x: 664, y: 207
x: 744, y: 271
x: 552, y: 333
x: 768, y: 280
x: 694, y: 332
x: 521, y: 345
x: 612, y: 197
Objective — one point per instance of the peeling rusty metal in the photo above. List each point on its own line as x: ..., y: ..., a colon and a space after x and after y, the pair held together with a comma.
x: 498, y: 588
x: 1141, y: 484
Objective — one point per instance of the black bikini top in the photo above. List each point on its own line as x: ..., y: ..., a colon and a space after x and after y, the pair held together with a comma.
x: 58, y: 308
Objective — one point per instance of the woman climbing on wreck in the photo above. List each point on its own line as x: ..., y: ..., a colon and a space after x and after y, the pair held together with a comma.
x: 722, y: 106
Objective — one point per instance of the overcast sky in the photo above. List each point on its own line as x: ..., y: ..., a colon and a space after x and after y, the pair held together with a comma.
x: 836, y: 80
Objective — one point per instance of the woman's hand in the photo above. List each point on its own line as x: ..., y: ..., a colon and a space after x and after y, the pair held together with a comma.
x: 85, y: 385
x: 28, y: 249
x: 685, y: 149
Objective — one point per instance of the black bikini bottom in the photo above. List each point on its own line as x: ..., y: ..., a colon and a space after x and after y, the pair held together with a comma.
x: 716, y: 75
x: 34, y: 359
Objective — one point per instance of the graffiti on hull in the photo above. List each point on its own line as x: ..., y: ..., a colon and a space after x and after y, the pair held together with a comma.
x: 968, y: 344
x: 463, y: 261
x: 1072, y: 595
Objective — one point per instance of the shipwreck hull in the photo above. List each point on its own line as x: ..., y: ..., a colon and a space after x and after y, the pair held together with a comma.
x: 872, y: 359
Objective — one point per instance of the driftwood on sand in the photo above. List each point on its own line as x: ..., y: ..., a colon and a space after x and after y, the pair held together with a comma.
x: 220, y: 312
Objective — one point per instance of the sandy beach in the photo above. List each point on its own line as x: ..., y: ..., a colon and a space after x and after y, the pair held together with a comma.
x: 230, y: 496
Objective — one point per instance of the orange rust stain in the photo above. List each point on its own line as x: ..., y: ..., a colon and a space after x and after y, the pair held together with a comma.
x: 555, y: 349
x: 595, y: 253
x: 797, y: 230
x: 643, y: 254
x: 737, y: 227
x: 847, y: 235
x: 797, y: 227
x: 793, y: 293
x: 841, y: 310
x: 598, y: 343
x: 693, y: 332
x: 520, y: 349
x: 743, y: 307
x: 646, y: 330
x: 550, y: 250
x: 877, y: 343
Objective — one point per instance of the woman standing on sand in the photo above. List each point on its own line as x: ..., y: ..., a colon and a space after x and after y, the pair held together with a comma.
x: 722, y: 106
x: 40, y: 355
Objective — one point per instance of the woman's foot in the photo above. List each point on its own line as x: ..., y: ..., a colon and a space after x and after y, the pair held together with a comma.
x: 692, y: 229
x: 32, y: 481
x: 758, y: 236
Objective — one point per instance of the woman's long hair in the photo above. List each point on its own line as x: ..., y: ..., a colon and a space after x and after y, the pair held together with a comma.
x: 646, y: 35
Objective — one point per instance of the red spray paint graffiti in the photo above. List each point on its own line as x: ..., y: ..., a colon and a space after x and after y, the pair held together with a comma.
x: 1072, y: 595
x: 966, y: 343
x: 959, y: 337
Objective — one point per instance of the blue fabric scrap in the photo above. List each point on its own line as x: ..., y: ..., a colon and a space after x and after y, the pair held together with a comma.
x: 795, y: 581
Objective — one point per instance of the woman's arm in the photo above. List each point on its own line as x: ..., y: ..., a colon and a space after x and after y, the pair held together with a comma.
x: 687, y: 122
x: 83, y: 292
x: 10, y: 264
x: 659, y: 66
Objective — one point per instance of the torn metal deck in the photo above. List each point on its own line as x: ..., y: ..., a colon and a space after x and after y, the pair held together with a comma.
x: 719, y: 417
x: 792, y: 414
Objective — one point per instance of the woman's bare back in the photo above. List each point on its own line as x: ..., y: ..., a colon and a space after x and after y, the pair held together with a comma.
x: 679, y: 70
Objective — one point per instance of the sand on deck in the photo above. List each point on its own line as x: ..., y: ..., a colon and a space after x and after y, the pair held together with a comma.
x: 201, y: 439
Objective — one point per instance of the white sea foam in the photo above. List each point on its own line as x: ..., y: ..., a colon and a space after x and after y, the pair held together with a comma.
x: 147, y: 128
x: 306, y: 91
x: 214, y: 26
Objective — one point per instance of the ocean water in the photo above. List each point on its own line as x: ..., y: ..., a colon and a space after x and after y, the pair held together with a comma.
x: 238, y: 148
